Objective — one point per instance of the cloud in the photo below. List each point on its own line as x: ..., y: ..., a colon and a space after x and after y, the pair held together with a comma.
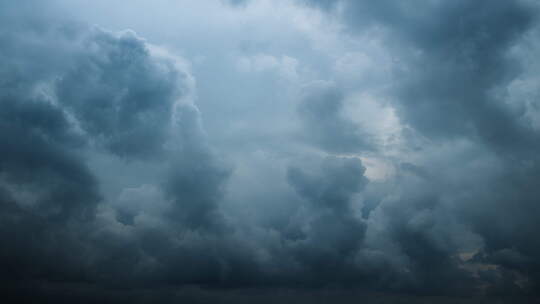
x: 121, y: 95
x: 91, y: 94
x: 196, y: 179
x: 454, y: 63
x: 334, y: 234
x: 453, y: 57
x: 329, y: 151
x: 324, y: 124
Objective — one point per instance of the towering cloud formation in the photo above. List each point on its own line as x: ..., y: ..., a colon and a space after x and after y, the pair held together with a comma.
x: 313, y: 180
x: 453, y: 84
x: 321, y: 112
x: 71, y: 95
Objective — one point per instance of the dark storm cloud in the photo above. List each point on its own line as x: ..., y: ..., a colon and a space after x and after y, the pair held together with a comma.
x: 321, y: 111
x: 454, y: 67
x: 120, y: 94
x: 453, y: 91
x: 456, y: 219
x: 38, y: 146
x: 413, y: 250
x: 507, y: 219
x: 333, y: 186
x: 327, y: 248
x: 196, y: 179
x: 48, y: 192
x: 453, y: 58
x: 67, y: 90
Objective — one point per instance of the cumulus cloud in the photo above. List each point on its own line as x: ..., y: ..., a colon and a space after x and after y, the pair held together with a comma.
x: 325, y: 125
x: 95, y: 92
x: 456, y: 62
x: 331, y: 150
x: 112, y: 88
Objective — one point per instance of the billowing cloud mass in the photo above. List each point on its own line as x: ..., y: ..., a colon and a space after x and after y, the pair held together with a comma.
x: 325, y: 126
x: 258, y: 151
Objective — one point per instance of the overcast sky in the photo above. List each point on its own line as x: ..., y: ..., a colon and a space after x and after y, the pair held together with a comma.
x: 258, y: 151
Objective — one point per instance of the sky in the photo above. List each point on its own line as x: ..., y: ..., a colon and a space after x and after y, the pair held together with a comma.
x: 258, y: 151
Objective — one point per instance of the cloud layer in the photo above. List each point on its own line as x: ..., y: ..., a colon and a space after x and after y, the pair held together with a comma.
x: 342, y: 150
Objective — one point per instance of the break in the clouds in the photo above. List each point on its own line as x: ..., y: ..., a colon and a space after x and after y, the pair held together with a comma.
x: 269, y: 151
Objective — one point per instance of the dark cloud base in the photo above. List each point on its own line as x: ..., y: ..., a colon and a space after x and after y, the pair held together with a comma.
x: 83, y: 293
x: 458, y: 225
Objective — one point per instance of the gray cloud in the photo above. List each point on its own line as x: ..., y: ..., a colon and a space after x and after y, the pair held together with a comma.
x: 112, y: 190
x: 92, y: 91
x: 454, y: 57
x: 334, y: 234
x: 325, y: 125
x: 455, y: 67
x: 120, y: 94
x: 196, y: 179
